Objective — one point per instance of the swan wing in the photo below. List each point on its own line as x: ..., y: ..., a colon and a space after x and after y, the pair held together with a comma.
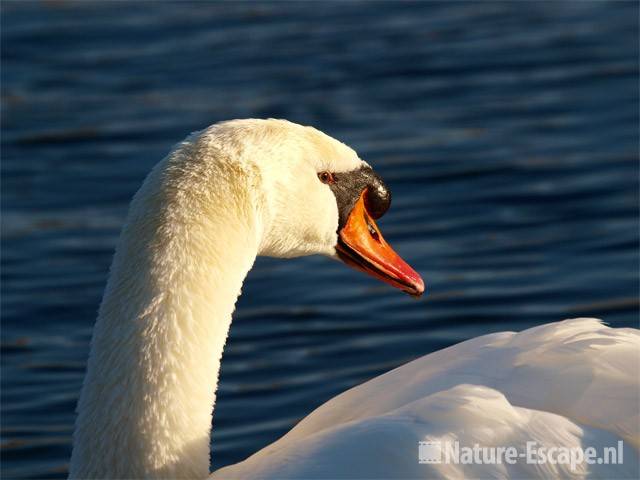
x: 567, y: 384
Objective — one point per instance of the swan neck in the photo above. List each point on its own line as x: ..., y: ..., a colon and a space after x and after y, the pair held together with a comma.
x: 147, y: 400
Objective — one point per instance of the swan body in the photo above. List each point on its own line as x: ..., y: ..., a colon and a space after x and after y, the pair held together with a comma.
x: 572, y: 384
x: 245, y: 188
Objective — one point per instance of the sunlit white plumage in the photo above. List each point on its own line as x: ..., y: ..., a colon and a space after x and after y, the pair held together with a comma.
x: 567, y: 384
x: 246, y: 188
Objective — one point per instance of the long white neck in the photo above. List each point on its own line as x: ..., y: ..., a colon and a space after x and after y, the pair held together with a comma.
x: 192, y: 235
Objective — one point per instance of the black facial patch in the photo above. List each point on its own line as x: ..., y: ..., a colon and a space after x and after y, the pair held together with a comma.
x: 348, y: 186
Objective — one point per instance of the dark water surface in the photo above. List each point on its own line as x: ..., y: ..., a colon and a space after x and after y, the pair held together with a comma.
x: 507, y: 131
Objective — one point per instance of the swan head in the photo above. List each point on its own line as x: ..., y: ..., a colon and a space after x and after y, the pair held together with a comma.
x: 317, y: 197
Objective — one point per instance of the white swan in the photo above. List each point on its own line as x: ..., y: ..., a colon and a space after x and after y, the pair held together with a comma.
x: 269, y: 187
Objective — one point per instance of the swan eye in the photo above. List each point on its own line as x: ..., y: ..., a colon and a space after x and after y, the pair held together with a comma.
x: 326, y: 177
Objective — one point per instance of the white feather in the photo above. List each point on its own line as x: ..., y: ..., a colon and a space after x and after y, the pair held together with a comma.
x: 568, y: 384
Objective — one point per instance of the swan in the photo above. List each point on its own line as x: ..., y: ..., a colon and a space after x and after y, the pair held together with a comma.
x: 243, y: 188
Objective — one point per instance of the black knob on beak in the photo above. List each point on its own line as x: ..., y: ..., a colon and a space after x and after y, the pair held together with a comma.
x: 378, y: 199
x: 348, y: 187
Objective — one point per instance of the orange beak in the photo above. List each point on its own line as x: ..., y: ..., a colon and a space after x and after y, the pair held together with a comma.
x: 361, y: 245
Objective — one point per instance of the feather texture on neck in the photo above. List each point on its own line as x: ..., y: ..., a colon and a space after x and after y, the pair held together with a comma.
x: 192, y: 234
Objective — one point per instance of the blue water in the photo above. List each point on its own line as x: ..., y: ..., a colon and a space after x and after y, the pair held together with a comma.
x: 508, y: 133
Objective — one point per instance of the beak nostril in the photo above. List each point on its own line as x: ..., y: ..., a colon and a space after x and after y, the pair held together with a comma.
x: 373, y: 232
